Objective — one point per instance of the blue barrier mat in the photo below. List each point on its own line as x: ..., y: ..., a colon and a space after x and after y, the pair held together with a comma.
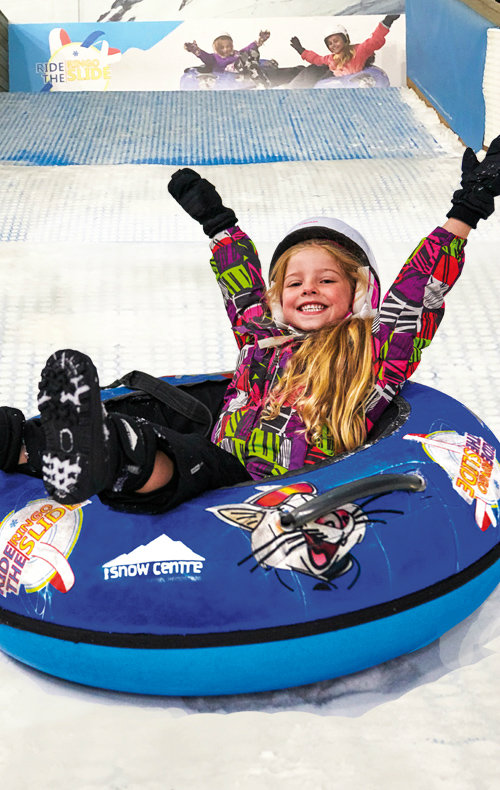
x: 209, y: 127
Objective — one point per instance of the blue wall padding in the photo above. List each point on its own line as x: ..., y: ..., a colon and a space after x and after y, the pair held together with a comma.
x: 210, y: 127
x: 445, y: 55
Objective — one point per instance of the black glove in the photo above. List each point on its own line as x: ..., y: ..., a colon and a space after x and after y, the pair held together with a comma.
x: 389, y: 19
x: 199, y: 198
x: 295, y: 43
x: 480, y: 186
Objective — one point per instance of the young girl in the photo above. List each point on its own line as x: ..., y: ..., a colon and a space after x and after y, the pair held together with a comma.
x: 224, y: 57
x: 318, y: 363
x: 344, y: 58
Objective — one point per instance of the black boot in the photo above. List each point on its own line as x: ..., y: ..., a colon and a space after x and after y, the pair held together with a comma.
x: 34, y: 444
x: 12, y: 424
x: 135, y: 441
x: 86, y: 451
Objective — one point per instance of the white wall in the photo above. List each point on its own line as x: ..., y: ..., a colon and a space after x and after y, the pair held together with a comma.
x: 39, y: 11
x: 33, y: 11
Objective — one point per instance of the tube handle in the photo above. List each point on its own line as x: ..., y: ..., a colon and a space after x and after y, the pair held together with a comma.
x: 341, y: 495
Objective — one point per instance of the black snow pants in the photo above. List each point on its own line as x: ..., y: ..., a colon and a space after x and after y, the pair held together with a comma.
x: 182, y: 431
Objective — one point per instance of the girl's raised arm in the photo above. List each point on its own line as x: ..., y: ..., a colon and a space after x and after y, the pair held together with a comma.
x: 235, y: 261
x: 414, y: 305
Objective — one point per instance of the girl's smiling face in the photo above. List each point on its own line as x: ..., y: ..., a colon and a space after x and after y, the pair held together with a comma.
x: 335, y: 43
x: 316, y: 290
x: 224, y: 47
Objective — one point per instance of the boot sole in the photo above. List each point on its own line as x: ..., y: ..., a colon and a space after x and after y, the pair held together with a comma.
x: 74, y: 461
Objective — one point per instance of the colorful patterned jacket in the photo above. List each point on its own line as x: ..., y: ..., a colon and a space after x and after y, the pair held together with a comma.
x: 409, y: 317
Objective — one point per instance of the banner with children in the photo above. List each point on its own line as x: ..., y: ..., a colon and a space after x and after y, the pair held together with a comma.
x: 215, y: 54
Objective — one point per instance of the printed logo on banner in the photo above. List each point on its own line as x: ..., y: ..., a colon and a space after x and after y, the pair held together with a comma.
x: 35, y: 543
x: 472, y: 467
x: 161, y: 557
x: 77, y: 65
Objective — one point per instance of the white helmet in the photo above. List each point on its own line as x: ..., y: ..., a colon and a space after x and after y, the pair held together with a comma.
x: 367, y: 294
x: 339, y: 30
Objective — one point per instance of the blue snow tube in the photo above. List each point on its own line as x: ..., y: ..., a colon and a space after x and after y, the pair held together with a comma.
x: 269, y: 584
x: 371, y: 77
x: 196, y: 79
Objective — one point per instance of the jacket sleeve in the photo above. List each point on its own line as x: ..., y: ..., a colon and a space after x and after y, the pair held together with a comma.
x: 313, y: 57
x: 206, y: 57
x: 411, y: 313
x: 253, y: 45
x: 238, y: 272
x: 376, y: 41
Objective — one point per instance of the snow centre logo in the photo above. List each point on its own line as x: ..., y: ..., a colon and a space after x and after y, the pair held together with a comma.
x: 161, y: 557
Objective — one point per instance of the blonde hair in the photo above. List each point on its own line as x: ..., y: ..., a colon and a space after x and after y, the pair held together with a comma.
x: 347, y: 52
x: 344, y: 57
x: 329, y: 379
